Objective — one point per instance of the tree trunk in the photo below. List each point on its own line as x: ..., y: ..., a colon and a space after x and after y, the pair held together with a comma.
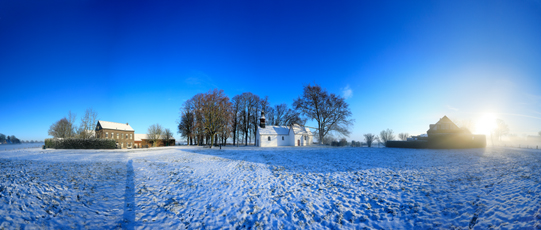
x: 247, y: 125
x: 234, y: 135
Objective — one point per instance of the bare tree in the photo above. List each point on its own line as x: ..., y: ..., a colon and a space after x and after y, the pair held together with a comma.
x: 328, y: 140
x: 199, y: 129
x: 237, y: 105
x: 216, y: 104
x: 88, y: 124
x: 386, y: 135
x: 61, y: 129
x: 369, y: 139
x: 251, y: 101
x: 403, y: 136
x: 71, y: 125
x: 249, y: 108
x: 154, y: 133
x: 167, y: 136
x: 293, y: 117
x: 280, y: 113
x: 270, y: 115
x: 501, y: 129
x: 187, y: 122
x: 331, y: 112
x: 260, y: 104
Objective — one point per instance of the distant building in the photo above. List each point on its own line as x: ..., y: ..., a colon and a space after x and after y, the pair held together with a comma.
x: 444, y: 127
x: 142, y: 140
x: 443, y: 135
x: 274, y: 136
x: 122, y: 133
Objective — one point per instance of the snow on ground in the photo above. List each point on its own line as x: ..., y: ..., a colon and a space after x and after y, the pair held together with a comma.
x: 5, y: 147
x: 271, y: 188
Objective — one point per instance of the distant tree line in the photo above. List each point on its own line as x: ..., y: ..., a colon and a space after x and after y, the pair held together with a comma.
x: 499, y: 131
x: 212, y: 117
x: 9, y: 139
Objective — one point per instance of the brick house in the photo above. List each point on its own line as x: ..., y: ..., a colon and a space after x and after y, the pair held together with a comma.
x: 122, y: 133
x: 142, y: 139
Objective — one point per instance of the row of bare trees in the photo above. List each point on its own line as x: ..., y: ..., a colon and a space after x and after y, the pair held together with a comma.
x: 66, y: 128
x: 209, y: 118
x: 156, y: 132
x: 206, y: 117
x: 384, y: 136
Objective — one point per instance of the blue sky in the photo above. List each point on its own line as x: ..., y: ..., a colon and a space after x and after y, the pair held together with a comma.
x: 401, y: 65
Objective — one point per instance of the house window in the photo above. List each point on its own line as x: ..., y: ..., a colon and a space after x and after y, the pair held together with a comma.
x: 131, y: 136
x: 117, y: 136
x: 107, y: 135
x: 126, y: 136
x: 268, y: 138
x: 112, y: 135
x: 282, y: 138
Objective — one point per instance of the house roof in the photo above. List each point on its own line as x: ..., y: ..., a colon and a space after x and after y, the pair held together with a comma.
x: 140, y: 136
x: 297, y: 129
x: 115, y: 125
x: 451, y: 128
x: 274, y: 130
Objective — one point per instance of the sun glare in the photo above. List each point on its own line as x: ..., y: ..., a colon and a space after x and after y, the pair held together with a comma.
x: 485, y: 124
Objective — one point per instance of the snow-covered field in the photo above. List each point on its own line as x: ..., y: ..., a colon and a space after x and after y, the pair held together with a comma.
x: 5, y: 147
x: 271, y: 188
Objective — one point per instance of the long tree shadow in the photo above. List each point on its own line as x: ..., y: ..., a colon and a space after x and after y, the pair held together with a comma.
x: 129, y: 199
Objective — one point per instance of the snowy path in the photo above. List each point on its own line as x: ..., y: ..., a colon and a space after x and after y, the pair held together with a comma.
x: 191, y: 187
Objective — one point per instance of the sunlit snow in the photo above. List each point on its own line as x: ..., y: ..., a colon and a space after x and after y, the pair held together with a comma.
x: 294, y: 187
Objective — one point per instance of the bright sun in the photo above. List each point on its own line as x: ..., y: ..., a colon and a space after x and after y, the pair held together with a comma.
x: 485, y: 124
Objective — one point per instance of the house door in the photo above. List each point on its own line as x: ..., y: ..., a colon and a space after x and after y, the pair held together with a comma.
x: 298, y: 142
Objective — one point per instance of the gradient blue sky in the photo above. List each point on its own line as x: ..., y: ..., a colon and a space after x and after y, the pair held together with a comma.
x: 401, y: 65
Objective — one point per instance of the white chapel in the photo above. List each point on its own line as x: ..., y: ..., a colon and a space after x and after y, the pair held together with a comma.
x: 274, y: 136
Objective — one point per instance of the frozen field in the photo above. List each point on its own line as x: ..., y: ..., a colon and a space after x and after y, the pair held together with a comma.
x: 5, y: 147
x: 273, y: 188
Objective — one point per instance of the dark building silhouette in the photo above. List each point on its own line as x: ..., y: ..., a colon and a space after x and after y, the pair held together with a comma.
x: 443, y: 135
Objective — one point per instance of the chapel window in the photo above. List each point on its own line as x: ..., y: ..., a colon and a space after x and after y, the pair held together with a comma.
x: 268, y: 138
